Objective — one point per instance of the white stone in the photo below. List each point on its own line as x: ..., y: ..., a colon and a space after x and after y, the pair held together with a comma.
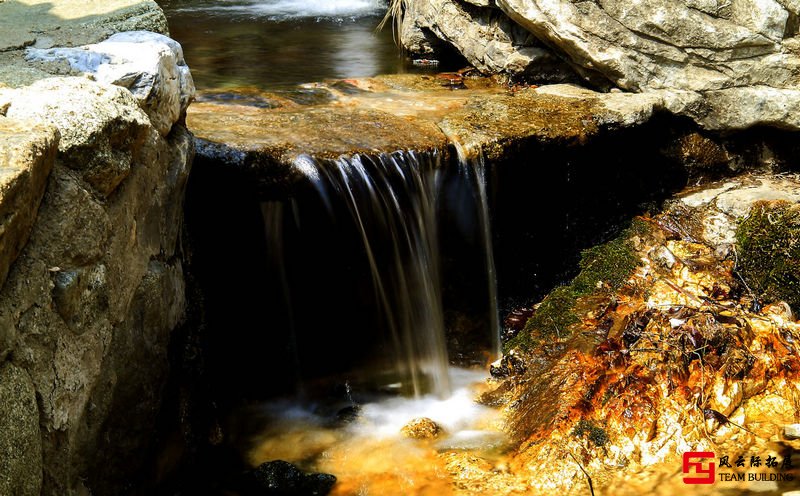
x: 791, y: 431
x: 150, y: 65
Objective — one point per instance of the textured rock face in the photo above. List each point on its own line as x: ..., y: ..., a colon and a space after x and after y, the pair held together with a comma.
x: 484, y: 36
x: 678, y: 350
x: 97, y: 123
x: 728, y: 65
x: 88, y: 306
x: 20, y: 441
x: 148, y: 64
x: 99, y: 282
x: 27, y: 152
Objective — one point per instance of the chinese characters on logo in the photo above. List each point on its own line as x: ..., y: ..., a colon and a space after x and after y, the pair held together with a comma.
x: 699, y: 468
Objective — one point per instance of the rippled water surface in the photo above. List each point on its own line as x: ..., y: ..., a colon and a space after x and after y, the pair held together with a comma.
x: 274, y: 44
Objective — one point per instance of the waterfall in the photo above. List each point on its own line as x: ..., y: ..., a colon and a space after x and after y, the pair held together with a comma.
x: 475, y: 171
x: 392, y: 201
x: 390, y: 207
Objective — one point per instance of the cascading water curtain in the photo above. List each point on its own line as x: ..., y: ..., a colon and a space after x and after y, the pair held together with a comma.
x: 389, y: 207
x: 392, y: 200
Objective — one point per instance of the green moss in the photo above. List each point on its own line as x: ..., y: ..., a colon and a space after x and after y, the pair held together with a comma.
x: 610, y: 264
x: 596, y: 434
x: 552, y: 318
x: 768, y: 250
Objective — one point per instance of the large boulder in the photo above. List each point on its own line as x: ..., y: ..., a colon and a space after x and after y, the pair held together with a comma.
x: 97, y: 122
x: 484, y: 36
x: 150, y: 65
x: 727, y: 65
x: 27, y: 152
x: 98, y: 289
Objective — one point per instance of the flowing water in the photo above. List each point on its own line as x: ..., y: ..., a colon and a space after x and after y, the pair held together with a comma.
x: 391, y: 208
x: 474, y: 170
x: 368, y: 454
x: 277, y: 44
x: 358, y: 263
x: 392, y: 198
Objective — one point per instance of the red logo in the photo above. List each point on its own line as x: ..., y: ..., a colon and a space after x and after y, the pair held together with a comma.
x: 708, y: 474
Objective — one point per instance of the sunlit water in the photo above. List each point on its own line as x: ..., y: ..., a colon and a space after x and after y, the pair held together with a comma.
x: 368, y: 454
x: 273, y: 44
x: 353, y: 428
x: 279, y: 10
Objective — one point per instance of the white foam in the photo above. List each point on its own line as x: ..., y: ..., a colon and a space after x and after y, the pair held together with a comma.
x: 457, y: 413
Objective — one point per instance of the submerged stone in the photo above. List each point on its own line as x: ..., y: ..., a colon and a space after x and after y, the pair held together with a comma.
x: 401, y: 112
x: 282, y: 478
x: 421, y: 428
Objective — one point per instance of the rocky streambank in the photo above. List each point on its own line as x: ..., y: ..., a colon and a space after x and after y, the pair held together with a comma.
x: 726, y: 65
x: 678, y: 336
x: 94, y: 158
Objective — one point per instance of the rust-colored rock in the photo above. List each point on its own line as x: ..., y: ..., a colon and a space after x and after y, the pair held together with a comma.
x: 421, y: 428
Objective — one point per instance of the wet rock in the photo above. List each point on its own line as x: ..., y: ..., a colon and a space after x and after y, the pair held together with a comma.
x: 681, y: 349
x: 509, y: 365
x: 408, y: 112
x: 282, y: 478
x: 422, y: 428
x: 791, y: 431
x: 348, y: 414
x: 150, y: 65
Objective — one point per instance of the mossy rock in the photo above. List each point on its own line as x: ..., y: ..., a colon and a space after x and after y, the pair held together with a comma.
x: 603, y: 268
x: 593, y: 432
x: 768, y: 252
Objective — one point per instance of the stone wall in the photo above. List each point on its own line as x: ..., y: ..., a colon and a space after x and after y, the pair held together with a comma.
x: 89, y: 302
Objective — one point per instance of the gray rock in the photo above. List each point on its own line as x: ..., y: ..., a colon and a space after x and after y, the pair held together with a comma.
x: 75, y: 22
x: 27, y: 153
x: 98, y: 288
x: 713, y: 51
x: 724, y: 204
x: 727, y: 65
x: 20, y: 440
x: 96, y: 121
x: 740, y: 108
x: 485, y: 37
x: 151, y: 66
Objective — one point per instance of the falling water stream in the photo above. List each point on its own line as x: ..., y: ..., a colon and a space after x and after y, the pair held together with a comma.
x: 392, y: 198
x: 394, y: 202
x: 398, y: 225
